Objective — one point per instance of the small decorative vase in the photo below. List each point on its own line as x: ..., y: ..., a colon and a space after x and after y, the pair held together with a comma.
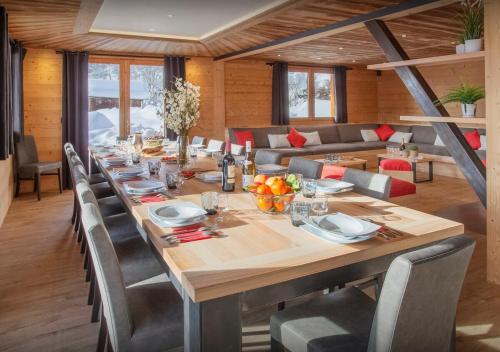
x: 137, y: 142
x: 472, y: 45
x: 468, y: 110
x: 460, y: 48
x: 182, y: 143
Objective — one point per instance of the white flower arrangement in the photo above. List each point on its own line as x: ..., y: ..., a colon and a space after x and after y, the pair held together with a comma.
x: 181, y: 106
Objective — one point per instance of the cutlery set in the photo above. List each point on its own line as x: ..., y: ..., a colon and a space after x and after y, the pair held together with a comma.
x: 191, y: 234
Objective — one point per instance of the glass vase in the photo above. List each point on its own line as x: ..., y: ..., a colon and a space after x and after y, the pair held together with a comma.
x: 182, y: 144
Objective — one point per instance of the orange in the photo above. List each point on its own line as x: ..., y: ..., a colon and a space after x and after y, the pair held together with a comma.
x: 264, y: 203
x: 260, y: 179
x: 263, y: 189
x: 272, y: 180
x: 279, y: 205
x: 278, y: 187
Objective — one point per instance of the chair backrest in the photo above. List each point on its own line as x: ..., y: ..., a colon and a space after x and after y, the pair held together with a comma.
x: 197, y: 140
x: 308, y: 168
x: 267, y: 157
x: 109, y: 278
x: 237, y: 149
x: 26, y: 152
x: 79, y: 173
x: 368, y: 183
x: 214, y: 144
x: 417, y: 305
x: 85, y: 194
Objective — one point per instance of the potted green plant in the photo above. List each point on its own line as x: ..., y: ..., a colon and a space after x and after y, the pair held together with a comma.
x: 460, y: 47
x: 465, y: 94
x: 473, y: 26
x: 413, y: 151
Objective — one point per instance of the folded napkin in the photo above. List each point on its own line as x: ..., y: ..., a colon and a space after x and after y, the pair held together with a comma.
x: 136, y: 178
x: 152, y: 199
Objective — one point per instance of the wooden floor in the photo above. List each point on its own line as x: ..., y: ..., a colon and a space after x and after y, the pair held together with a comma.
x: 43, y: 293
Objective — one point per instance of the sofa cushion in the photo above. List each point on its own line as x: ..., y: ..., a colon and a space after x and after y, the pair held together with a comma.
x: 368, y: 145
x: 423, y: 134
x: 327, y: 133
x: 352, y: 133
x: 474, y: 139
x: 278, y: 141
x: 287, y: 152
x: 243, y: 136
x: 401, y: 128
x: 398, y: 136
x: 369, y: 136
x: 312, y: 138
x: 483, y: 142
x: 384, y: 132
x: 401, y: 188
x: 259, y: 134
x: 296, y: 139
x: 395, y: 165
x: 431, y: 149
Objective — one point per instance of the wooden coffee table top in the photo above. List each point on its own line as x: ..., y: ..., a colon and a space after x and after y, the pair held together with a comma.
x: 420, y: 159
x: 345, y: 162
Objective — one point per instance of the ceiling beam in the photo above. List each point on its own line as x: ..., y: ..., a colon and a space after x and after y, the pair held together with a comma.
x: 86, y: 15
x: 388, y: 13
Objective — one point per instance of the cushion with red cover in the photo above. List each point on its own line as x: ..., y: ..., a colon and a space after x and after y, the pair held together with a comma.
x: 384, y: 132
x: 296, y: 139
x: 484, y: 162
x: 243, y: 136
x: 333, y: 171
x: 474, y: 139
x: 401, y: 188
x: 395, y: 165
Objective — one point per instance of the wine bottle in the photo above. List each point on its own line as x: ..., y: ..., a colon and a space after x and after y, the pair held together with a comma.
x: 228, y: 170
x: 248, y: 171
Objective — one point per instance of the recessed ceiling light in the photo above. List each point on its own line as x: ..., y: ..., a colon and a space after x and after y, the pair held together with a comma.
x: 279, y: 55
x: 453, y: 43
x: 353, y: 60
x: 403, y: 35
x: 170, y: 15
x: 341, y: 48
x: 152, y: 29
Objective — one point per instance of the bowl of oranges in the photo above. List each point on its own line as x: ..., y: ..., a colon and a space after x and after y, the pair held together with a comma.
x: 273, y: 194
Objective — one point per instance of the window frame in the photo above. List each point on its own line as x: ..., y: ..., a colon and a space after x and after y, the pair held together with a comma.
x: 311, y: 93
x: 124, y: 94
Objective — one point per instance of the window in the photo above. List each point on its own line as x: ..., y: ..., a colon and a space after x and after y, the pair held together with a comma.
x: 310, y: 93
x: 124, y: 98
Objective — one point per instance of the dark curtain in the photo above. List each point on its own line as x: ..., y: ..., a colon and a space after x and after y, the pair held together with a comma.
x: 173, y: 67
x: 17, y: 56
x: 75, y: 107
x: 6, y: 120
x: 340, y: 91
x: 280, y: 114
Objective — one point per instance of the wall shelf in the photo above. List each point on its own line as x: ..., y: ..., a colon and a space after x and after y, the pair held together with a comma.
x: 473, y: 121
x: 430, y: 61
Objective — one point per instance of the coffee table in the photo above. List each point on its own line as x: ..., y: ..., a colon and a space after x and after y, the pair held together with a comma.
x: 413, y: 162
x: 346, y: 162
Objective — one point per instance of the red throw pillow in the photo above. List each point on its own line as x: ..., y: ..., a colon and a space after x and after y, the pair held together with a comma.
x: 243, y: 136
x: 296, y: 139
x: 395, y: 165
x: 474, y: 139
x: 384, y: 132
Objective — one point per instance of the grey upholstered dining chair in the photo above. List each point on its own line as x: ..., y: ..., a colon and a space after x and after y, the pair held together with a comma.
x: 263, y: 157
x: 140, y: 318
x: 215, y: 145
x: 368, y: 183
x: 197, y: 140
x: 308, y: 168
x: 30, y: 168
x: 415, y: 311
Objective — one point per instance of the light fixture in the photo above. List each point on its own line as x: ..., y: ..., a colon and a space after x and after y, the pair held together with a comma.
x: 403, y: 35
x: 453, y: 43
x: 353, y: 60
x: 170, y: 15
x: 278, y: 55
x: 152, y: 29
x: 341, y: 48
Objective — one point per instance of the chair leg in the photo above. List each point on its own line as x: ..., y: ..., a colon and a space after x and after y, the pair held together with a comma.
x: 37, y: 181
x: 379, y: 281
x: 80, y: 233
x: 281, y: 306
x: 86, y: 261
x: 83, y: 245
x: 276, y: 346
x: 59, y: 178
x: 92, y: 287
x: 75, y: 210
x: 96, y: 306
x: 90, y: 272
x: 103, y: 332
x: 18, y: 185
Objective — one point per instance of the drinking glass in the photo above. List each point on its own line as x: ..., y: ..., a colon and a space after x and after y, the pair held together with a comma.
x: 299, y: 211
x: 331, y: 158
x: 320, y: 204
x: 172, y: 180
x: 308, y: 187
x: 210, y: 202
x: 223, y: 206
x: 136, y: 157
x: 154, y: 167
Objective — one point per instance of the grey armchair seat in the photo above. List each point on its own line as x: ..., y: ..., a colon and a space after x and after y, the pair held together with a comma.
x: 263, y: 157
x: 415, y: 312
x: 368, y: 183
x: 308, y: 168
x: 142, y: 318
x: 197, y: 140
x: 30, y: 168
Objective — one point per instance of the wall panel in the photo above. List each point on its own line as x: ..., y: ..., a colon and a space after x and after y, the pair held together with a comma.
x: 6, y: 187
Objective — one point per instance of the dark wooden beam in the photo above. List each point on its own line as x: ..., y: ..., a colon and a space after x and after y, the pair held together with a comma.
x: 387, y: 13
x: 465, y: 157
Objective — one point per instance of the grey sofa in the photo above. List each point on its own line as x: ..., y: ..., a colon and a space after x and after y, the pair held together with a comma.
x: 342, y: 138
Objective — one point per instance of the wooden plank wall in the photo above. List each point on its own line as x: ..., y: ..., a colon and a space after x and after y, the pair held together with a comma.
x: 394, y: 100
x: 6, y: 187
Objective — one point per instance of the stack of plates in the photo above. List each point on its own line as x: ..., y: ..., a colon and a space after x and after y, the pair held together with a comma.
x: 127, y: 172
x: 331, y: 186
x: 271, y: 169
x: 177, y: 214
x: 114, y: 161
x: 341, y: 228
x: 210, y: 176
x: 144, y: 187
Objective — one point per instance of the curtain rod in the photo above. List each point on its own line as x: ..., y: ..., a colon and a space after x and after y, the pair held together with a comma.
x: 123, y: 55
x: 311, y: 65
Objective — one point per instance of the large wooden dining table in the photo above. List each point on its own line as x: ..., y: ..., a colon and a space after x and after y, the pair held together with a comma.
x: 262, y: 259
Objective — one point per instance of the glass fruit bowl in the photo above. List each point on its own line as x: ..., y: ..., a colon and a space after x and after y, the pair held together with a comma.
x: 271, y: 203
x: 273, y: 194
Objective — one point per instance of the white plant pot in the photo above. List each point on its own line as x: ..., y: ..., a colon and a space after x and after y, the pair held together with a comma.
x: 460, y: 48
x: 468, y: 110
x: 472, y: 45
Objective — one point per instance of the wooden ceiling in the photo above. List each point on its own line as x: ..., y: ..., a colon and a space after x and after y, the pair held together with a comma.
x: 51, y: 23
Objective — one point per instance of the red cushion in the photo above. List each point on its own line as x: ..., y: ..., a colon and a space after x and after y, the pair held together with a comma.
x: 395, y: 165
x: 384, y: 132
x: 296, y: 139
x: 474, y: 139
x: 484, y: 162
x: 401, y: 188
x: 243, y: 136
x: 333, y: 171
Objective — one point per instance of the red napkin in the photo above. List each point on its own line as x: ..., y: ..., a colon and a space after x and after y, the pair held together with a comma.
x: 151, y: 199
x: 195, y: 238
x: 187, y: 228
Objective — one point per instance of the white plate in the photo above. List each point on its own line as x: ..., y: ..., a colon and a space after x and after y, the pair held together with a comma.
x: 147, y: 193
x: 344, y: 225
x: 163, y: 223
x: 337, y: 239
x: 181, y: 211
x: 128, y: 171
x: 333, y: 186
x: 270, y: 169
x: 143, y: 186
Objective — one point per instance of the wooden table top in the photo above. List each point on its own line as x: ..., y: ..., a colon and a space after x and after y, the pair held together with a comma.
x: 420, y: 159
x: 344, y: 162
x: 259, y: 249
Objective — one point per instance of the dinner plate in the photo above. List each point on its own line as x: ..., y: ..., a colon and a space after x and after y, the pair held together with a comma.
x: 163, y: 223
x: 331, y: 186
x: 332, y: 238
x: 128, y: 171
x: 177, y: 214
x: 143, y: 186
x: 344, y: 225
